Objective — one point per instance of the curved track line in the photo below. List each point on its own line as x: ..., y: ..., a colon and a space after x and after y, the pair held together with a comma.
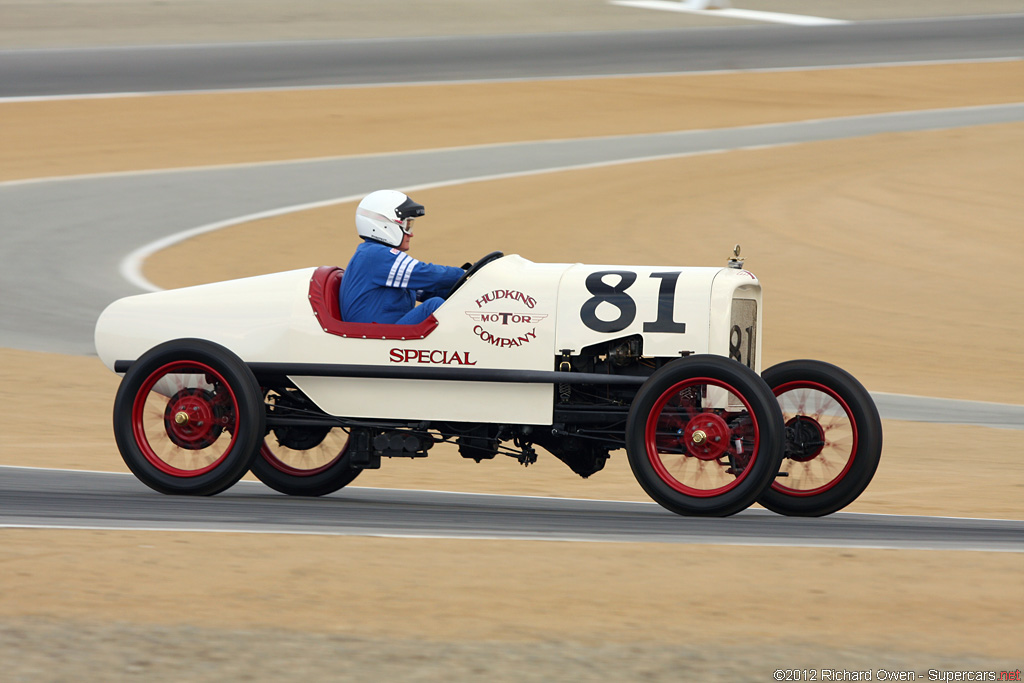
x: 892, y: 406
x: 131, y: 265
x: 94, y: 221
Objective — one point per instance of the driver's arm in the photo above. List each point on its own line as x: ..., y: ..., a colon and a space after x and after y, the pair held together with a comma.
x: 409, y: 273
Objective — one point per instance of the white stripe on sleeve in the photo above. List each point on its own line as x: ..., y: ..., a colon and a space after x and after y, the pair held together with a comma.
x: 408, y: 272
x: 401, y: 271
x: 394, y: 269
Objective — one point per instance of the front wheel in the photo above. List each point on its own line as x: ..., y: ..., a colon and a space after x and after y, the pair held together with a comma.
x: 188, y: 418
x: 833, y: 438
x: 704, y: 436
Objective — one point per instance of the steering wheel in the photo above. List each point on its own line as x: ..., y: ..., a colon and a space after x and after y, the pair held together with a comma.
x: 493, y: 256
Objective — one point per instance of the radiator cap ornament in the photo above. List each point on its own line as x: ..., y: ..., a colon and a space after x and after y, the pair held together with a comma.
x: 735, y: 261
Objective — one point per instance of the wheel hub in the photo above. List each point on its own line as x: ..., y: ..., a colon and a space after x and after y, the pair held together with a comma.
x: 805, y: 439
x: 191, y: 419
x: 706, y: 437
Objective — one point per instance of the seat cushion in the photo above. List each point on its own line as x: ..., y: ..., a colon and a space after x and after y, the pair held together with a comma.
x: 323, y: 298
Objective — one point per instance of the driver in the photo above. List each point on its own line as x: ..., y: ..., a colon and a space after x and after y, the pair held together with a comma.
x: 382, y: 282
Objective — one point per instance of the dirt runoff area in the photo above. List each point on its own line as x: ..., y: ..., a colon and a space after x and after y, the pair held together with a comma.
x: 901, y: 242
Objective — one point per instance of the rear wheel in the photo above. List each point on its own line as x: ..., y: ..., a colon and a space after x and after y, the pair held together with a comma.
x: 704, y: 436
x: 833, y: 439
x: 188, y: 418
x: 303, y: 461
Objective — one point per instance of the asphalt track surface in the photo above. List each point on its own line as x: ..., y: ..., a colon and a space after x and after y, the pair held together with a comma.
x: 92, y: 500
x: 98, y: 221
x: 353, y: 62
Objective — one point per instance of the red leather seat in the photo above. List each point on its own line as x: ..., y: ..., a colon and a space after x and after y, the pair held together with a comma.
x: 332, y: 285
x: 323, y: 298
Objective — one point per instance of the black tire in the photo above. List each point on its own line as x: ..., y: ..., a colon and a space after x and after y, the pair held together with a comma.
x: 833, y: 439
x: 321, y: 468
x: 681, y: 436
x: 189, y: 418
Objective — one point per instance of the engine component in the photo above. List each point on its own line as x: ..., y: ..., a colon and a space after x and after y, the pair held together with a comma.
x: 479, y: 443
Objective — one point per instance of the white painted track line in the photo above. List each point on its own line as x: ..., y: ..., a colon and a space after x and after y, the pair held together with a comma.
x: 44, y: 499
x: 481, y: 494
x: 131, y: 266
x: 731, y: 13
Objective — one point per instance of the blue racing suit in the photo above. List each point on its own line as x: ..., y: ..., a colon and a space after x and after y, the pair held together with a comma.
x: 382, y: 284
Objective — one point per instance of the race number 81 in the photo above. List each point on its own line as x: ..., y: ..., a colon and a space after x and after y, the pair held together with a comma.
x: 616, y: 296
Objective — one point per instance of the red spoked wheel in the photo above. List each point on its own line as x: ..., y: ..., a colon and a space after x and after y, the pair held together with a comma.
x: 195, y: 418
x: 181, y: 434
x: 821, y: 438
x: 303, y: 461
x: 833, y: 438
x: 187, y: 418
x: 704, y: 436
x: 700, y: 437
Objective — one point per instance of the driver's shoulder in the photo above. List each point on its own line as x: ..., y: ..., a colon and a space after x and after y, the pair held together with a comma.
x: 380, y: 252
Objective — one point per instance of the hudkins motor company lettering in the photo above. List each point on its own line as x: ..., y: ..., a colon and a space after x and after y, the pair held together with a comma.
x: 506, y: 295
x: 504, y: 328
x: 506, y: 318
x: 504, y: 342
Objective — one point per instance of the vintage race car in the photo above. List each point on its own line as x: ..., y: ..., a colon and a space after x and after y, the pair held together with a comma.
x: 262, y: 374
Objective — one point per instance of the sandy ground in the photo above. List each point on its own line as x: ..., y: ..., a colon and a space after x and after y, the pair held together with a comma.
x: 121, y: 134
x: 909, y: 241
x: 184, y: 606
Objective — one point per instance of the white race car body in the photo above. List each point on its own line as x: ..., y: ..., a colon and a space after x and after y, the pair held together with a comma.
x: 491, y: 355
x: 262, y: 375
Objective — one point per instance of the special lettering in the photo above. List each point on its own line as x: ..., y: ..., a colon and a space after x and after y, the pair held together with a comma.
x: 431, y: 357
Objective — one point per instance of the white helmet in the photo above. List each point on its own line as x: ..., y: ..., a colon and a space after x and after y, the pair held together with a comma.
x: 386, y: 216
